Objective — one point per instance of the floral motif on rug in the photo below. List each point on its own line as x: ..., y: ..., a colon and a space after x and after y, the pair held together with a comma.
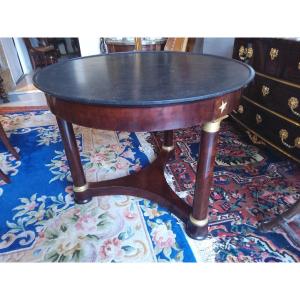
x: 40, y: 222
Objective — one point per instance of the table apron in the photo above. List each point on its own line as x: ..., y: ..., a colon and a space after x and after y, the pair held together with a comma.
x: 157, y: 118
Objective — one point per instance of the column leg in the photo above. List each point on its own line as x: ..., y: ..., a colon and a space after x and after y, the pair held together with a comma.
x: 4, y: 177
x: 168, y: 144
x: 7, y: 144
x: 197, y: 225
x: 72, y: 153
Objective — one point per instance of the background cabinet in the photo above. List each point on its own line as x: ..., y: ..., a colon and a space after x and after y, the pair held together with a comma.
x: 270, y: 105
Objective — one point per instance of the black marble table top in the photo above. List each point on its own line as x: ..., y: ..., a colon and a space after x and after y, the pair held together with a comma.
x: 143, y: 78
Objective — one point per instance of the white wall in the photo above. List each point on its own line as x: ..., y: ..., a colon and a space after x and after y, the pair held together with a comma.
x: 23, y: 55
x: 218, y: 46
x: 89, y: 46
x: 12, y: 58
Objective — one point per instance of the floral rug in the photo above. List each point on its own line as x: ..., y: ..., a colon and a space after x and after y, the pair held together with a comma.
x: 39, y: 221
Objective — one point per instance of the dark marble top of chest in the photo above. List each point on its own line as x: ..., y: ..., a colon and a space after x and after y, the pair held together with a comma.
x: 143, y: 78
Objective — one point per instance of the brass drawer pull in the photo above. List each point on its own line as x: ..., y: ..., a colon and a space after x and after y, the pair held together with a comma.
x: 245, y: 53
x: 254, y: 138
x: 283, y: 133
x: 273, y: 53
x: 241, y: 109
x: 249, y: 52
x: 299, y: 65
x: 293, y: 103
x: 258, y: 119
x: 265, y: 90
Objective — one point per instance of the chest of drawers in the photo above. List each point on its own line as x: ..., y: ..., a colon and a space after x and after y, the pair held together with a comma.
x: 270, y: 105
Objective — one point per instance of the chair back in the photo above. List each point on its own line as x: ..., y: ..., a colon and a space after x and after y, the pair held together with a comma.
x: 138, y: 44
x: 176, y: 44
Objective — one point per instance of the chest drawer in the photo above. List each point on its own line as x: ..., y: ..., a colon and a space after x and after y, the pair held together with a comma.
x: 276, y: 96
x: 279, y: 58
x: 250, y: 51
x: 279, y: 132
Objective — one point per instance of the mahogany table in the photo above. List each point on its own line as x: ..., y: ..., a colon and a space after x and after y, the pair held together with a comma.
x: 146, y: 91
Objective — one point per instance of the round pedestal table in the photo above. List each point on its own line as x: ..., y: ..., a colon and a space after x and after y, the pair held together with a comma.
x: 146, y: 91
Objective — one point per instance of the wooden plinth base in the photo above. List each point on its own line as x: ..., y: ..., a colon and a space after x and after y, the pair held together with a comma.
x: 149, y: 183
